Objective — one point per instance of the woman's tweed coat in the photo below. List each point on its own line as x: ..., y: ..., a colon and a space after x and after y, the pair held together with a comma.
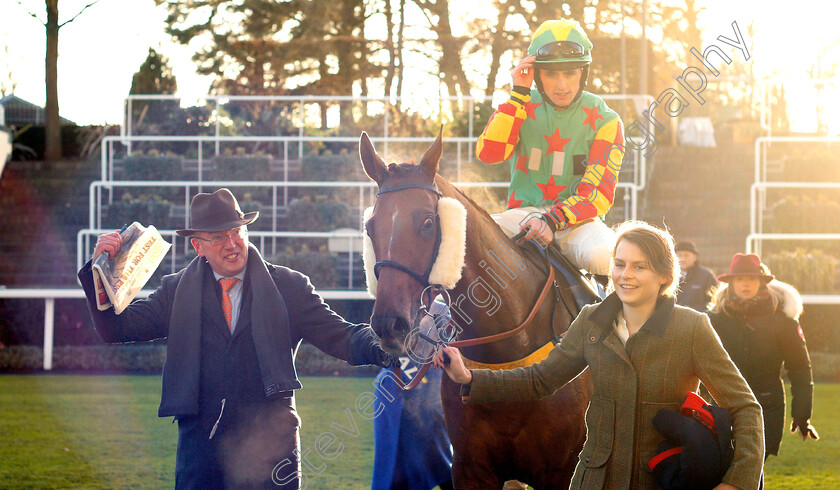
x: 664, y: 360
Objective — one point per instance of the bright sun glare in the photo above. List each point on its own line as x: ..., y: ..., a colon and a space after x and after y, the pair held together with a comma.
x: 99, y: 52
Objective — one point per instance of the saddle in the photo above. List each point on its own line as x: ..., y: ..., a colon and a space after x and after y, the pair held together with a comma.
x: 584, y: 288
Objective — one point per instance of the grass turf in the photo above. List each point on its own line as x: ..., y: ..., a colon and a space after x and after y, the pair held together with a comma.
x: 101, y: 432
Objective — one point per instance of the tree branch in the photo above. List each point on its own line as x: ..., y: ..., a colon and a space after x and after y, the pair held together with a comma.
x: 30, y: 13
x: 94, y: 2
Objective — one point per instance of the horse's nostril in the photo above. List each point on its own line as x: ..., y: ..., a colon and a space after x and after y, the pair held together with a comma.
x: 392, y: 330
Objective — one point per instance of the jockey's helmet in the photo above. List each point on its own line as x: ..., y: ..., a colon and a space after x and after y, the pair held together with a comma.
x: 561, y: 45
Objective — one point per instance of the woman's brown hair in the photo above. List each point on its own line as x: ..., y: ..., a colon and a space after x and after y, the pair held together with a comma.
x: 658, y: 247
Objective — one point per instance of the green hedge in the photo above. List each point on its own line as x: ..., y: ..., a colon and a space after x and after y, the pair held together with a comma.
x: 146, y: 359
x: 810, y: 271
x: 825, y: 366
x: 321, y: 268
x: 152, y: 167
x: 148, y: 210
x: 137, y: 358
x: 308, y: 215
x: 241, y: 167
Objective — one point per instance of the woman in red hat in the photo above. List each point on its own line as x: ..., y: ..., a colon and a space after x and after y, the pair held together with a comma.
x: 757, y: 319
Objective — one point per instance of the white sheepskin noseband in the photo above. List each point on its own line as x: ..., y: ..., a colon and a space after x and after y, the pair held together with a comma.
x: 449, y: 263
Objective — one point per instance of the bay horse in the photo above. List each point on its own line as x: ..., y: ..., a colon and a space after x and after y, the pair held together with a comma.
x: 534, y: 442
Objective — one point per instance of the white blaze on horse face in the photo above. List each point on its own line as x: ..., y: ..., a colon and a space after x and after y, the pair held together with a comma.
x: 393, y: 245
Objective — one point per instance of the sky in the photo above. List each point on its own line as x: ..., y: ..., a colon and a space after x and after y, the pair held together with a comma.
x: 101, y: 50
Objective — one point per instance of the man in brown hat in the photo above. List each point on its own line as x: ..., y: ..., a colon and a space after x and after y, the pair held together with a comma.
x: 233, y: 323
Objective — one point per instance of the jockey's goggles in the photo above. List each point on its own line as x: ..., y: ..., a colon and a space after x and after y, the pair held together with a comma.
x: 556, y: 49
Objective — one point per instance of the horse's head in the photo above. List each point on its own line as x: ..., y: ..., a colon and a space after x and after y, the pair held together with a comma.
x: 408, y: 250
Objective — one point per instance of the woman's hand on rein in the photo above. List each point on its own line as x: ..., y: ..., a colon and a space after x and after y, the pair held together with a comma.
x: 450, y: 360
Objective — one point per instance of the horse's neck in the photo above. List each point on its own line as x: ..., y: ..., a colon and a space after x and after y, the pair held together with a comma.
x: 499, y: 284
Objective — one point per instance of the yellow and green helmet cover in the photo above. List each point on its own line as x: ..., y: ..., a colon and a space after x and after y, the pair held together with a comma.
x: 561, y: 30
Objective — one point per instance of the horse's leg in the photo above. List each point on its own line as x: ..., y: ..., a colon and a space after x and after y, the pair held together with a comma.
x: 471, y: 466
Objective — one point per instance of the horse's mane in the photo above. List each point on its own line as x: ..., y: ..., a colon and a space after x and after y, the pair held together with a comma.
x: 525, y: 250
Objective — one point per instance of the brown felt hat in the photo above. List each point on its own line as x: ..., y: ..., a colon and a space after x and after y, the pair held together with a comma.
x: 747, y: 265
x: 218, y: 211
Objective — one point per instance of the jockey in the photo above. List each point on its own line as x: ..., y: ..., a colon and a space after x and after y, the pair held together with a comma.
x: 564, y: 147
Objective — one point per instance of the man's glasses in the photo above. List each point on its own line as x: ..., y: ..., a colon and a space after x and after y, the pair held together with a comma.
x: 553, y: 50
x: 221, y: 238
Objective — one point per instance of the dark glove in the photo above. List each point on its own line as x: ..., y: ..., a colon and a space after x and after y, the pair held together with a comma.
x: 805, y: 429
x: 365, y: 350
x: 384, y: 359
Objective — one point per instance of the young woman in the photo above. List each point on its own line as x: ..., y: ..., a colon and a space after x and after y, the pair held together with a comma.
x: 756, y: 318
x: 644, y: 354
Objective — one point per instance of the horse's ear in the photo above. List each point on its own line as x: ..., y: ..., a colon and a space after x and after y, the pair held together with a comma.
x: 371, y: 161
x: 431, y: 160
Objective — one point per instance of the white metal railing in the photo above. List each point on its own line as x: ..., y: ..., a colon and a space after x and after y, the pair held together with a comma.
x: 764, y: 142
x: 758, y: 202
x: 127, y: 129
x: 366, y: 197
x: 758, y: 198
x: 50, y: 295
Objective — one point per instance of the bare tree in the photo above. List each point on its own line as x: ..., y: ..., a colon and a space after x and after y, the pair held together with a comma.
x: 8, y: 83
x: 52, y: 145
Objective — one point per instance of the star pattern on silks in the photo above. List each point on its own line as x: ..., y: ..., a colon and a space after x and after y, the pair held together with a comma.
x: 550, y: 190
x: 530, y: 108
x: 522, y: 163
x: 591, y: 116
x: 555, y: 142
x: 513, y: 202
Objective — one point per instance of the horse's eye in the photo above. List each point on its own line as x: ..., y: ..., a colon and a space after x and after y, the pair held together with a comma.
x: 428, y: 224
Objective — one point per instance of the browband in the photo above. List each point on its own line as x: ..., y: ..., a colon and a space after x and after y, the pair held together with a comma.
x: 433, y: 188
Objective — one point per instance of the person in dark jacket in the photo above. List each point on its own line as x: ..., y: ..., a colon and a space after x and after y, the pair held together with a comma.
x: 644, y: 353
x: 697, y: 283
x: 756, y: 318
x: 233, y: 323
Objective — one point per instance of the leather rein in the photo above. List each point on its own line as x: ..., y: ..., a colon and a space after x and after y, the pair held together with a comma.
x: 424, y: 279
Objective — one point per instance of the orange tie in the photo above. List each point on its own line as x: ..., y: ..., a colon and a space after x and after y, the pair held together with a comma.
x: 227, y: 283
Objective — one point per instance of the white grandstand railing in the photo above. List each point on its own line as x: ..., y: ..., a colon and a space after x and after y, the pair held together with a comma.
x: 637, y: 159
x: 758, y: 203
x: 762, y: 144
x: 639, y: 101
x: 85, y: 236
x: 50, y: 295
x: 757, y: 194
x: 816, y: 299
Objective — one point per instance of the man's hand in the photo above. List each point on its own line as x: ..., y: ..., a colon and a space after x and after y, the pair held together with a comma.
x: 725, y: 486
x: 450, y: 359
x: 804, y: 428
x: 538, y: 231
x: 386, y: 360
x: 109, y: 243
x: 523, y: 73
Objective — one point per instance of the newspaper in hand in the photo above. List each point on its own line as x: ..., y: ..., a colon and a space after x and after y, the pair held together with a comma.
x: 118, y: 279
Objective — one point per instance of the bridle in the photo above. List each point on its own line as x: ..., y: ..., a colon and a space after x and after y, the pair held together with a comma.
x: 431, y: 290
x: 424, y: 278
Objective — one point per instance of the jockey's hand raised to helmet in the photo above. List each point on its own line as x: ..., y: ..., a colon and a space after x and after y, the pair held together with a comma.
x: 523, y: 73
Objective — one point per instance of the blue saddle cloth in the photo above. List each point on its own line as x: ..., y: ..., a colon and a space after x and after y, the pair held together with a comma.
x: 412, y: 449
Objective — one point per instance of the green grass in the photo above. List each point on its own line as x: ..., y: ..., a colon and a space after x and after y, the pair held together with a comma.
x: 103, y: 432
x: 810, y: 464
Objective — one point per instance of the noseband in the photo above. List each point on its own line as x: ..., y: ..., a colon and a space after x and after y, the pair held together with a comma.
x: 421, y: 278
